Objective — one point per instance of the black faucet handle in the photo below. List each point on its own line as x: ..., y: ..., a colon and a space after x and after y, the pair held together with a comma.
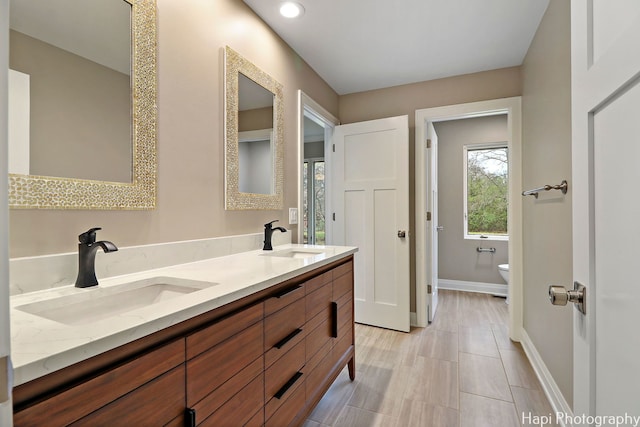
x: 269, y: 224
x: 89, y: 236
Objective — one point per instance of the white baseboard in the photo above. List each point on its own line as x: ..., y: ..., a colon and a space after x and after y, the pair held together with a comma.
x: 413, y: 319
x: 549, y: 386
x: 483, y: 288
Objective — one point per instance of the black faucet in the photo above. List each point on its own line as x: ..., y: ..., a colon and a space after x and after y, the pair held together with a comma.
x: 268, y: 232
x: 87, y: 249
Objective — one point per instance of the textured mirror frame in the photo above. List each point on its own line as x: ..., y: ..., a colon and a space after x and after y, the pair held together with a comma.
x: 43, y: 192
x: 234, y: 199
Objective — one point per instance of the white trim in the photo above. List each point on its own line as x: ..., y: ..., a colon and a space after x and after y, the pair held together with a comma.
x: 324, y: 118
x: 513, y: 108
x: 549, y: 386
x: 413, y: 319
x: 498, y: 289
x: 6, y: 413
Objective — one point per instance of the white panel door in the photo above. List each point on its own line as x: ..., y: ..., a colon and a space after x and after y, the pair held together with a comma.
x: 371, y: 205
x: 606, y: 208
x: 432, y: 227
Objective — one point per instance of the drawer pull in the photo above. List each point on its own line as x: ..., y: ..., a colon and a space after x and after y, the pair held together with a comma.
x: 286, y: 339
x: 190, y: 417
x: 334, y: 319
x: 287, y: 291
x: 288, y: 385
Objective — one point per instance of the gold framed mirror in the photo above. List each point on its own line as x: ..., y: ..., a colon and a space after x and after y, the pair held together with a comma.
x: 254, y: 144
x: 134, y: 188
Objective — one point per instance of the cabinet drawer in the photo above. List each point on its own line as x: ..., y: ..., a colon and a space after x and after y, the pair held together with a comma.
x: 240, y: 409
x: 283, y: 298
x: 317, y: 282
x: 282, y: 324
x: 342, y: 283
x: 287, y: 413
x: 165, y: 394
x: 208, y: 371
x: 209, y: 404
x: 210, y: 336
x: 282, y: 378
x: 76, y: 402
x: 318, y: 336
x: 318, y: 300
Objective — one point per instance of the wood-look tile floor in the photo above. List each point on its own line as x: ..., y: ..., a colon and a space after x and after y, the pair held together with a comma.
x: 460, y: 371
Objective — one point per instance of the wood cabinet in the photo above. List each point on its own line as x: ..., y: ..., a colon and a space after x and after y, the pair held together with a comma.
x: 266, y: 359
x: 124, y: 393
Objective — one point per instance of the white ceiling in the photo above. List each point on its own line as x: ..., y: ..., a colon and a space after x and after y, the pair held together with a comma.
x: 358, y: 45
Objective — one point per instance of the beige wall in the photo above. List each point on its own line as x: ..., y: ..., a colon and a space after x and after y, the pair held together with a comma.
x: 457, y: 256
x: 406, y: 99
x: 546, y: 155
x: 191, y: 38
x: 80, y: 113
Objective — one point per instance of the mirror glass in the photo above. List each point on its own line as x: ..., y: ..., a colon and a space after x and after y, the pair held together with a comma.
x: 70, y: 89
x: 253, y: 144
x: 255, y: 135
x: 82, y: 104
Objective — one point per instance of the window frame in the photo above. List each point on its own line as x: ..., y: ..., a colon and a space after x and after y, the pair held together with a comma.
x: 465, y: 215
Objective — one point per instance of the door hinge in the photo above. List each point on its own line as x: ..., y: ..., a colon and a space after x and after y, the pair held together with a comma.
x: 429, y: 290
x: 428, y: 216
x: 334, y: 216
x: 428, y: 143
x: 334, y: 148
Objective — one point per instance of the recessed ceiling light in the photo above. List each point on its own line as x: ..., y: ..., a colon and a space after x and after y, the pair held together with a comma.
x: 291, y: 9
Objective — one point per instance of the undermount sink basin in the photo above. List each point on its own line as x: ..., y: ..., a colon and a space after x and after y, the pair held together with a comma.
x: 98, y: 303
x: 294, y: 253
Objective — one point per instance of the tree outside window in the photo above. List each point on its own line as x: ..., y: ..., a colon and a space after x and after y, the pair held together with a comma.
x: 487, y: 189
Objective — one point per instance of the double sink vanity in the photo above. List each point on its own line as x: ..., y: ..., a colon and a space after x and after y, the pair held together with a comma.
x: 252, y: 338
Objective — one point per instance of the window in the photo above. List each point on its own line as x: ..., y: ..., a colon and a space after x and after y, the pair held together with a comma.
x: 313, y: 202
x: 486, y: 191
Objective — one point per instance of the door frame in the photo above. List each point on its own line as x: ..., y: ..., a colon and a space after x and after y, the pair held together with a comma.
x: 6, y: 410
x: 308, y: 107
x: 513, y: 109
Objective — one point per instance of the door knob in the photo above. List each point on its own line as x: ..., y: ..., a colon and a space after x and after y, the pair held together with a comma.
x: 402, y: 234
x: 558, y: 295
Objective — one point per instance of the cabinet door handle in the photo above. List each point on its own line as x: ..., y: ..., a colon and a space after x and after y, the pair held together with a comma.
x: 287, y: 291
x: 334, y: 319
x: 286, y: 339
x: 288, y: 385
x: 190, y: 417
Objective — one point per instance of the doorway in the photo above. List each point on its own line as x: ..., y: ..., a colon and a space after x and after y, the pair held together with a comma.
x: 315, y: 126
x: 426, y: 252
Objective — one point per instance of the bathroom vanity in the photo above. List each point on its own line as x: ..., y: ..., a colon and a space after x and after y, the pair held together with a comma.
x: 259, y: 346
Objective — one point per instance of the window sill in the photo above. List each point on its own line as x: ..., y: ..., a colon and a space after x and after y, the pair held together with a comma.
x: 488, y: 238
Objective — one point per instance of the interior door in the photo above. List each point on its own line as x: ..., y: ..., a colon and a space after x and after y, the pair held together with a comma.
x: 605, y: 128
x: 371, y: 205
x: 432, y: 226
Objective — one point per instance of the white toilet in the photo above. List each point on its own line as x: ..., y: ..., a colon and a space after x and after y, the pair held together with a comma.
x: 503, y: 269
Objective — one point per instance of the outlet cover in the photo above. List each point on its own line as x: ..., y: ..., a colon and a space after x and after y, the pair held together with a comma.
x: 293, y: 216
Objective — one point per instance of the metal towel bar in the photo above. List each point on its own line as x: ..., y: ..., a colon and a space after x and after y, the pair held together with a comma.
x: 563, y: 186
x: 492, y: 250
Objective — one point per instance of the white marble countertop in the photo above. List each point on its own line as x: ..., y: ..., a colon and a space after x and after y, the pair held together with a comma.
x: 40, y: 346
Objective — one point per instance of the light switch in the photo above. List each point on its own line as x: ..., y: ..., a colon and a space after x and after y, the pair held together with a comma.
x: 293, y: 216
